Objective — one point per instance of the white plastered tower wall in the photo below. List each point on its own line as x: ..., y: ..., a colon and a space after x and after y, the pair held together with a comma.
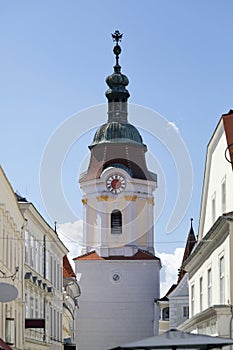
x: 111, y: 311
x: 135, y: 203
x: 120, y: 275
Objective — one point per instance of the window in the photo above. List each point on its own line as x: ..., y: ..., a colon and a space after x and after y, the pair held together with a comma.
x: 165, y: 314
x: 209, y: 286
x: 47, y: 267
x: 116, y: 222
x: 54, y: 323
x: 54, y: 280
x: 31, y: 306
x: 51, y: 269
x: 42, y: 307
x: 32, y: 251
x: 37, y: 256
x: 221, y: 280
x: 37, y: 307
x: 223, y: 188
x: 201, y: 293
x: 192, y: 299
x: 213, y: 208
x: 41, y: 264
x: 26, y: 247
x: 26, y: 305
x: 10, y: 331
x: 51, y: 322
x: 185, y: 311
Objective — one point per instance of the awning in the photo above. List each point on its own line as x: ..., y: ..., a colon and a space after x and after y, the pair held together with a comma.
x: 4, y: 345
x: 174, y: 339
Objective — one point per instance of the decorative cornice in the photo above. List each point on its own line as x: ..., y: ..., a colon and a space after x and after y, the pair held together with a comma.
x: 150, y: 201
x: 214, y: 237
x: 206, y: 315
x: 102, y: 198
x: 131, y: 198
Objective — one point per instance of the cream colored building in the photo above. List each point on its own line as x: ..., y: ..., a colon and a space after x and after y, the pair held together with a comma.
x: 210, y: 266
x: 31, y: 260
x: 11, y: 264
x: 43, y: 281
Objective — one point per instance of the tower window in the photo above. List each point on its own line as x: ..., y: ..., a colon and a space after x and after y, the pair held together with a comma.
x: 165, y: 314
x: 116, y: 222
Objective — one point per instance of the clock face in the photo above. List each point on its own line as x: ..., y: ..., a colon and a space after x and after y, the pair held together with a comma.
x: 116, y: 277
x: 116, y: 183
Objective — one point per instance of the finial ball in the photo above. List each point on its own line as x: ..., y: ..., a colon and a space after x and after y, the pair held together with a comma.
x: 117, y: 50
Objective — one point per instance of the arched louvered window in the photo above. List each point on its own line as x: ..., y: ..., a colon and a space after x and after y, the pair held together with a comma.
x: 116, y: 222
x: 165, y: 314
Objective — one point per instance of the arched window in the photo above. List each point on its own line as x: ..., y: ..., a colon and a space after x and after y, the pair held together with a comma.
x: 165, y: 314
x: 116, y: 221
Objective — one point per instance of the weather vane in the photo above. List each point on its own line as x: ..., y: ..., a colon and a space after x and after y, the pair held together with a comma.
x: 117, y: 36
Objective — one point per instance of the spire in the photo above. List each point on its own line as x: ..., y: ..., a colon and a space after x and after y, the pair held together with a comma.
x: 117, y: 50
x: 117, y: 94
x: 190, y: 243
x: 117, y: 129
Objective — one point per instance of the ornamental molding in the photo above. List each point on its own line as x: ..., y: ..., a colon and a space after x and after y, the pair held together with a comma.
x: 102, y: 198
x: 150, y: 201
x: 131, y: 198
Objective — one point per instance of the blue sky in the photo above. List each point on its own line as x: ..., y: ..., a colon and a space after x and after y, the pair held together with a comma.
x: 55, y: 56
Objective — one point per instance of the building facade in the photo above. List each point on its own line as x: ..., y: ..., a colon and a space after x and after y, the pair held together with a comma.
x: 120, y: 272
x: 174, y: 306
x: 71, y: 295
x: 43, y: 281
x: 11, y: 266
x: 210, y: 265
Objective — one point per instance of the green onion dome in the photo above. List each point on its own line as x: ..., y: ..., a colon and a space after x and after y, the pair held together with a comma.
x: 115, y: 132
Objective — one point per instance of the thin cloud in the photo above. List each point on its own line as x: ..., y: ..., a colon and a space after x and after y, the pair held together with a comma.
x: 171, y: 263
x: 173, y: 125
x: 71, y: 234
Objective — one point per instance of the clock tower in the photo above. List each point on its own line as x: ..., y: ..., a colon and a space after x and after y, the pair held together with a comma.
x: 119, y: 270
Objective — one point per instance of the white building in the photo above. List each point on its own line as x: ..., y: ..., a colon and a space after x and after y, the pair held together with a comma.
x: 43, y: 281
x: 174, y: 306
x: 11, y: 266
x: 210, y: 265
x: 120, y: 272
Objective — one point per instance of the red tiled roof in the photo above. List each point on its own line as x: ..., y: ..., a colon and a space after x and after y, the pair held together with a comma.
x: 67, y: 268
x: 228, y: 127
x: 140, y: 255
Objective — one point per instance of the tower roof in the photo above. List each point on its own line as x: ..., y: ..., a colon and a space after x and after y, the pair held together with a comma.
x: 117, y: 81
x: 117, y: 129
x: 116, y: 132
